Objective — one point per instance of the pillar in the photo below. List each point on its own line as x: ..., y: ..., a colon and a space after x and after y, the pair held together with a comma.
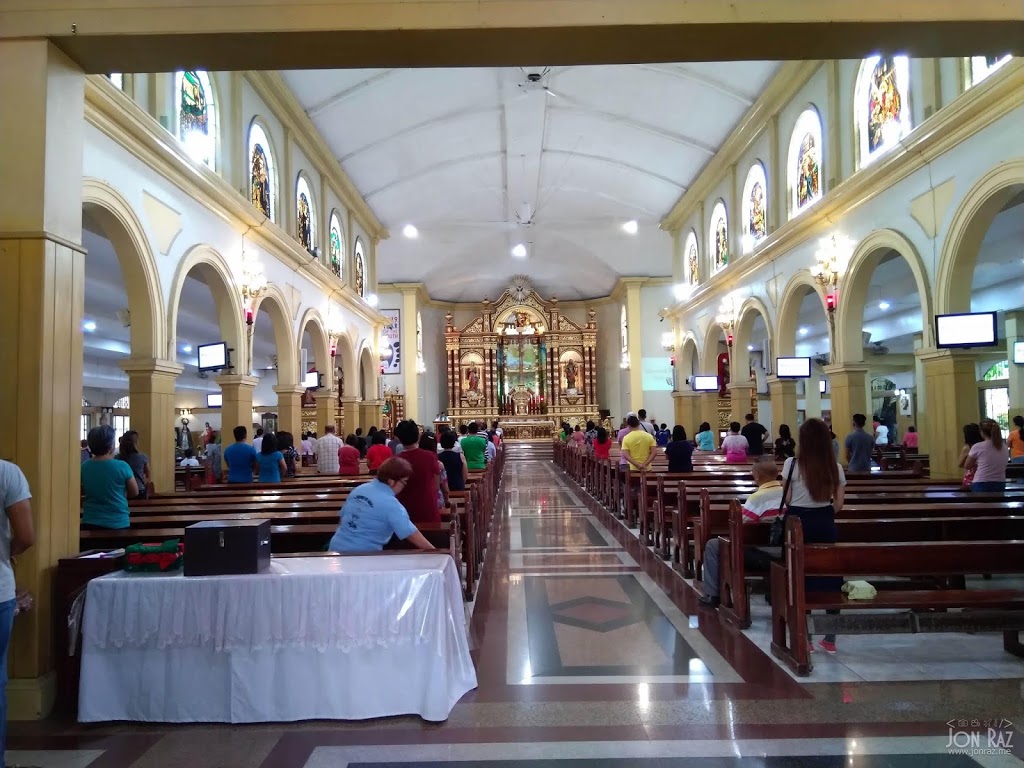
x: 236, y: 410
x: 410, y: 378
x: 151, y: 389
x: 1015, y: 332
x: 740, y: 400
x: 370, y: 414
x: 783, y: 396
x: 951, y: 387
x: 708, y: 411
x: 920, y: 399
x: 850, y: 394
x: 349, y: 413
x: 687, y: 411
x: 812, y: 395
x: 289, y: 410
x: 327, y: 412
x: 634, y: 338
x: 41, y: 307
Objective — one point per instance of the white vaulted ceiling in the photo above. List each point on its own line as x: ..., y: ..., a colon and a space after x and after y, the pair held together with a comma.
x: 460, y: 152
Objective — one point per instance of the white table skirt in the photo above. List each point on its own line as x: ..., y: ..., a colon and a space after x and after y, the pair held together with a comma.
x: 312, y: 638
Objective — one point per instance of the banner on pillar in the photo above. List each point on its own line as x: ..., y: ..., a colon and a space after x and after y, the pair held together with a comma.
x: 393, y: 333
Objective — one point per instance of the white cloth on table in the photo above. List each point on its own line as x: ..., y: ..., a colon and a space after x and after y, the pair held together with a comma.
x: 323, y: 637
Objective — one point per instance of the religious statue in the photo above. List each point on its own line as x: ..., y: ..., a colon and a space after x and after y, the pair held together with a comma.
x: 571, y: 372
x: 208, y: 436
x: 473, y: 379
x: 884, y: 102
x: 185, y: 436
x: 723, y: 374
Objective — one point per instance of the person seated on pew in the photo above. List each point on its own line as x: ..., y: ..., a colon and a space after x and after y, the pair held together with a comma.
x: 188, y: 459
x: 378, y: 452
x: 762, y: 506
x: 372, y: 513
x: 602, y: 443
x: 988, y: 459
x: 679, y: 451
x: 241, y: 458
x: 735, y: 445
x: 972, y: 436
x: 348, y: 456
x: 705, y: 438
x: 270, y: 460
x: 107, y: 484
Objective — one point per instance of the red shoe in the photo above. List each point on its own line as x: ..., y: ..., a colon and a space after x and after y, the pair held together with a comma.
x: 827, y: 647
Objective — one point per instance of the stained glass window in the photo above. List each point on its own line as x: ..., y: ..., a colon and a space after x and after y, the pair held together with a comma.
x: 624, y: 329
x: 882, y: 110
x: 981, y: 67
x: 197, y: 115
x: 124, y: 402
x: 262, y: 176
x: 360, y: 282
x: 719, y: 236
x: 305, y: 211
x: 805, y: 162
x: 755, y: 207
x: 692, y: 259
x: 336, y: 254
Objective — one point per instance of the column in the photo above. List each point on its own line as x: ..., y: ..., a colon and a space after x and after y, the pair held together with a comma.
x: 812, y: 395
x: 370, y: 414
x: 410, y: 378
x: 151, y: 388
x: 687, y: 411
x: 634, y: 337
x: 920, y: 398
x: 783, y: 397
x: 739, y: 401
x: 708, y: 411
x: 236, y: 410
x: 1014, y: 332
x: 349, y: 414
x: 850, y: 392
x: 289, y: 410
x: 327, y: 411
x: 951, y: 387
x: 41, y: 307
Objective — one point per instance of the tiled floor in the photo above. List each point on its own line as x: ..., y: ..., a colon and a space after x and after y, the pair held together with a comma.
x: 591, y: 652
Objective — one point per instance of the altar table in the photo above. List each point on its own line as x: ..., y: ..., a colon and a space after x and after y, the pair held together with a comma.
x: 310, y: 638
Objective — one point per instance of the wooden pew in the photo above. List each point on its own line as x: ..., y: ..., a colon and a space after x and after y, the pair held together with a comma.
x: 920, y: 610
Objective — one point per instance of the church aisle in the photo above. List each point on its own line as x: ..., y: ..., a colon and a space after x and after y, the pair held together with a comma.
x: 590, y: 652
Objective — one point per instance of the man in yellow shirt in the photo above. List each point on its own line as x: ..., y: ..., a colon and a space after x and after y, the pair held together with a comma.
x: 638, y: 446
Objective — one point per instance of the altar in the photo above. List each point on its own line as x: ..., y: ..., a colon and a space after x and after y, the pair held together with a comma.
x: 522, y: 361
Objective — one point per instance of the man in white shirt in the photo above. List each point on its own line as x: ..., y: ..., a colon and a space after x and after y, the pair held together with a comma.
x: 257, y: 441
x: 327, y: 448
x: 645, y: 425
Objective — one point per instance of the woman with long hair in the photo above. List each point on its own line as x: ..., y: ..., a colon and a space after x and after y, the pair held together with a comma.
x: 271, y: 460
x: 816, y: 491
x: 602, y: 443
x: 972, y: 436
x: 988, y: 459
x: 1017, y: 440
x: 129, y: 453
x: 785, y: 445
x: 679, y: 451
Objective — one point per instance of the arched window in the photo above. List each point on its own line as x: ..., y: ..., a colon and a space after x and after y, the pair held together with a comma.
x: 998, y: 372
x: 263, y: 175
x: 755, y: 207
x: 336, y: 246
x: 360, y: 281
x: 805, y: 162
x: 305, y: 211
x: 882, y: 109
x: 419, y: 334
x: 124, y: 402
x: 692, y: 256
x: 624, y: 329
x: 197, y: 115
x: 718, y: 237
x: 980, y: 67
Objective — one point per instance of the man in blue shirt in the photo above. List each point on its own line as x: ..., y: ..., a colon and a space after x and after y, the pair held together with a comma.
x: 372, y: 515
x: 241, y: 458
x: 859, y: 446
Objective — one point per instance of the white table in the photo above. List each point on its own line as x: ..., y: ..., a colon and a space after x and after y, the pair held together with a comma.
x: 311, y: 638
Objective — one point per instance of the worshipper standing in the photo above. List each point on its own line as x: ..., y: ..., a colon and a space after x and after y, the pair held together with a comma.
x: 988, y: 459
x: 623, y: 431
x: 705, y: 438
x: 859, y: 446
x: 645, y: 425
x: 579, y: 438
x: 85, y: 451
x: 307, y: 448
x: 910, y: 440
x: 638, y: 445
x: 816, y: 493
x: 428, y: 443
x: 602, y: 443
x: 735, y: 445
x: 419, y: 496
x: 16, y: 536
x: 591, y: 432
x: 458, y: 446
x: 395, y: 445
x: 474, y: 447
x: 286, y: 445
x: 360, y: 442
x: 835, y: 444
x: 327, y: 448
x: 972, y: 436
x: 241, y: 458
x: 755, y: 434
x: 785, y: 445
x: 490, y: 452
x: 215, y: 460
x: 454, y: 462
x: 107, y: 484
x: 663, y: 436
x: 188, y: 459
x: 762, y: 506
x: 679, y: 451
x: 881, y: 435
x: 1016, y: 440
x: 271, y: 460
x: 372, y: 513
x: 348, y: 456
x: 130, y: 454
x: 257, y: 441
x: 378, y: 452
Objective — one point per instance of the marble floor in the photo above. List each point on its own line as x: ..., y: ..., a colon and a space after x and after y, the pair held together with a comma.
x: 591, y: 651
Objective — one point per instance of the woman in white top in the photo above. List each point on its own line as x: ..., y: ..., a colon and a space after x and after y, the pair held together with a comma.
x: 815, y: 494
x: 735, y: 445
x: 881, y: 435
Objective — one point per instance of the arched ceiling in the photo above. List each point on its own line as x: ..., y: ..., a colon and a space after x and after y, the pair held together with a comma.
x: 470, y: 155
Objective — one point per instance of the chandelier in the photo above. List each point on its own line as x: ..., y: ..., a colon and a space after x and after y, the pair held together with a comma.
x: 253, y: 280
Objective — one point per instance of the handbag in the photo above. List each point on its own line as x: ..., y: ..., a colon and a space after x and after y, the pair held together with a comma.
x: 779, y: 523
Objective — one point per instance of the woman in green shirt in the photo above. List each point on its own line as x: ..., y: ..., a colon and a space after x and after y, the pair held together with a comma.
x: 107, y: 483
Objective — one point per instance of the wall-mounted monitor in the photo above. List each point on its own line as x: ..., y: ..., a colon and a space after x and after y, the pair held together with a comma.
x: 704, y: 383
x: 1018, y: 352
x: 312, y: 380
x: 213, y: 357
x: 793, y: 367
x: 975, y: 329
x: 214, y: 401
x: 822, y: 388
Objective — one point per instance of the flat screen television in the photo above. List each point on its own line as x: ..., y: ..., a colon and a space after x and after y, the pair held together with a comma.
x: 704, y: 383
x: 214, y: 401
x: 974, y: 329
x: 213, y: 357
x: 1018, y: 352
x: 793, y: 367
x: 312, y: 380
x: 821, y: 387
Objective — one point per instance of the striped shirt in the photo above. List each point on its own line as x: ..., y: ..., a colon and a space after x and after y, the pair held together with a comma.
x: 764, y: 503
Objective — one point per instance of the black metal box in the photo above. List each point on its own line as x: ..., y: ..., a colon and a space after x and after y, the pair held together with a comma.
x: 218, y: 547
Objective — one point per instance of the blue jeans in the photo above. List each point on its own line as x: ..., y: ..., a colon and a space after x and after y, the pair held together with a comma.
x: 996, y: 487
x: 6, y: 622
x: 1018, y: 460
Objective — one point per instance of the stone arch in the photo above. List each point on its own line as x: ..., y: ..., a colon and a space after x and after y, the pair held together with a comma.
x: 346, y: 361
x: 784, y: 338
x: 275, y: 305
x: 312, y: 322
x: 687, y: 359
x: 714, y: 340
x: 749, y: 312
x: 138, y: 265
x: 216, y: 273
x: 367, y: 375
x: 967, y: 230
x: 853, y: 291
